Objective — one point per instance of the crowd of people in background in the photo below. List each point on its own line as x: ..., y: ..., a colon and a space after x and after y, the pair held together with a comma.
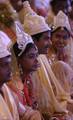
x: 36, y: 59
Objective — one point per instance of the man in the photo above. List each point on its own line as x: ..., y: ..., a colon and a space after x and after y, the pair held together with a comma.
x: 36, y: 26
x: 45, y: 30
x: 5, y: 73
x: 10, y: 107
x: 46, y: 86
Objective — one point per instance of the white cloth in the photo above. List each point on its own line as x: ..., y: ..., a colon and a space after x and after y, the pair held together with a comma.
x: 4, y: 41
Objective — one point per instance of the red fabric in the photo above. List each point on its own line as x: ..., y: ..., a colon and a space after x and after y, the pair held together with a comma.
x: 24, y: 93
x: 28, y: 90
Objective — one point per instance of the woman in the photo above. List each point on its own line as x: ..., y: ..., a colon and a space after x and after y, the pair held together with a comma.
x: 26, y: 55
x: 61, y: 56
x: 61, y: 39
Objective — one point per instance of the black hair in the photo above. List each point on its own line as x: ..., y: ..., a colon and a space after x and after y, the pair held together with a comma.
x: 37, y: 37
x: 27, y: 49
x: 59, y: 29
x: 17, y: 51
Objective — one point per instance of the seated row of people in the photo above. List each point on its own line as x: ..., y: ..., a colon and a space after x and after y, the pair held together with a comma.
x: 38, y: 90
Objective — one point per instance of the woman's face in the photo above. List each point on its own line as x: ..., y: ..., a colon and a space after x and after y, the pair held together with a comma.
x: 60, y: 39
x: 29, y: 62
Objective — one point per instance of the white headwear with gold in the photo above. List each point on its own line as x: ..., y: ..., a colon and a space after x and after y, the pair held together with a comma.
x: 4, y: 41
x: 33, y: 23
x: 61, y: 20
x: 22, y: 38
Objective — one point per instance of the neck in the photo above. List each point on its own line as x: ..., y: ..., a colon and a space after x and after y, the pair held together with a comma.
x: 24, y: 74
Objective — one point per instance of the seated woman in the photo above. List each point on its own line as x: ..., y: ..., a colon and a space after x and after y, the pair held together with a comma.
x: 61, y: 56
x: 26, y: 55
x: 61, y: 40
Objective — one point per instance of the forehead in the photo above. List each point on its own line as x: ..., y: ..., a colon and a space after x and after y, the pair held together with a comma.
x: 5, y: 60
x: 33, y: 50
x: 61, y: 32
x: 46, y: 34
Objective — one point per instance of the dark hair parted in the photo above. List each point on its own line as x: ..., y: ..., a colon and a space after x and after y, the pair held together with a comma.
x: 28, y: 48
x: 17, y: 51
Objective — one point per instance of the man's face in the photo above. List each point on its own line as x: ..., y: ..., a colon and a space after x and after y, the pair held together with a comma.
x: 60, y: 39
x: 29, y: 61
x: 5, y: 69
x: 44, y: 43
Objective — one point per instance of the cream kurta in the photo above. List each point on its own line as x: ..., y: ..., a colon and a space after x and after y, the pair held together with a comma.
x: 8, y: 108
